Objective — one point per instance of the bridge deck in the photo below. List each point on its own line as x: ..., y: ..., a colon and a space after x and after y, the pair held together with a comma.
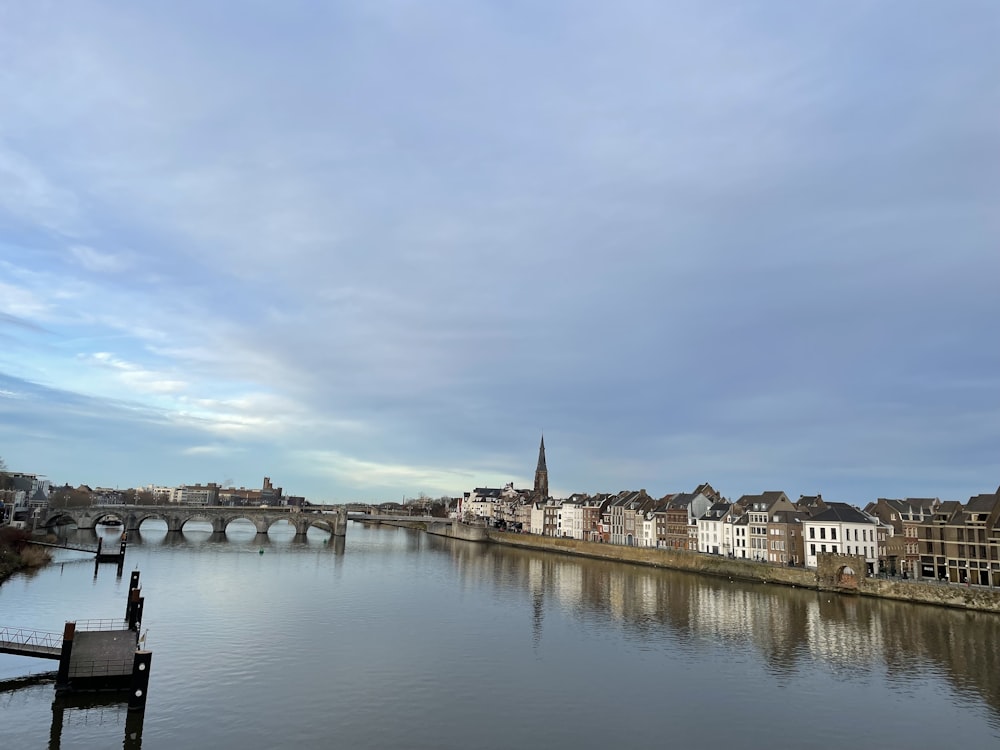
x: 77, y: 547
x: 41, y: 652
x: 26, y: 642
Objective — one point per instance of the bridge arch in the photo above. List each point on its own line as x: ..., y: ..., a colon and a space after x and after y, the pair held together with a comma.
x: 139, y: 518
x: 105, y: 515
x: 319, y: 522
x: 60, y: 518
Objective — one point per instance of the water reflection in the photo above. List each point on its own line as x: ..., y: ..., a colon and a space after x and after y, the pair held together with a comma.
x: 83, y: 711
x: 790, y: 629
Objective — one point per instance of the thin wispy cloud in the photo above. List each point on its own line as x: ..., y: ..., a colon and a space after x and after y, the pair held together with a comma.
x: 378, y: 248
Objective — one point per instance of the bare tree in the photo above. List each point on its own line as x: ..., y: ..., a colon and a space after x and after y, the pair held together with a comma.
x: 67, y: 497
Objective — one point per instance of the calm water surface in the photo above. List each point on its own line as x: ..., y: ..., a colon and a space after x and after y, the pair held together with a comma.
x: 402, y: 640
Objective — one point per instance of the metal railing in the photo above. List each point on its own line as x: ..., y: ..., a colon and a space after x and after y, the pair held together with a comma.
x: 100, y: 667
x: 27, y: 637
x: 83, y: 626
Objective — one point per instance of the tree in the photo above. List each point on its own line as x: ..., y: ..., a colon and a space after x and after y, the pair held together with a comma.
x: 67, y: 497
x: 6, y: 482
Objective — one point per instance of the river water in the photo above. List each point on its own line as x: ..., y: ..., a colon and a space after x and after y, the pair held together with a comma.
x: 398, y: 639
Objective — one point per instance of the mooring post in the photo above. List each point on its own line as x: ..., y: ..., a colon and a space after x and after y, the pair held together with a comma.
x: 97, y: 557
x: 140, y: 680
x: 135, y: 612
x: 62, y: 677
x: 133, y: 588
x: 121, y: 554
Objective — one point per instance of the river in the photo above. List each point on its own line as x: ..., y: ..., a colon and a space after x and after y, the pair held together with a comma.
x: 397, y: 639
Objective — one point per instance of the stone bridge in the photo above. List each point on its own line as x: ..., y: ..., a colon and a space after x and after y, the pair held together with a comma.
x: 328, y: 518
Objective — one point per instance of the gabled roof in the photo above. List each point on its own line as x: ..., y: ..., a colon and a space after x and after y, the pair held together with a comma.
x: 810, y: 501
x: 982, y: 503
x: 683, y: 499
x: 716, y: 511
x: 788, y: 516
x: 841, y: 512
x: 767, y: 498
x: 488, y: 491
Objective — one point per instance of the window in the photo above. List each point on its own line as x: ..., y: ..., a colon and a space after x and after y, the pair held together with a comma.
x: 812, y: 532
x: 822, y: 548
x: 812, y: 549
x: 822, y: 534
x: 833, y: 533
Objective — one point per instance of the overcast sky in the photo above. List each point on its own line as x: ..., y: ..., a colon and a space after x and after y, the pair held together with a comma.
x: 375, y: 249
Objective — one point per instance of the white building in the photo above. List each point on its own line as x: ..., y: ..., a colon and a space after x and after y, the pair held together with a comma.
x: 843, y: 529
x: 712, y: 530
x: 570, y: 519
x: 537, y: 518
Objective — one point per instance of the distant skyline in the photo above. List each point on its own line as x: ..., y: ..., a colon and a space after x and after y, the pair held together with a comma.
x: 377, y: 249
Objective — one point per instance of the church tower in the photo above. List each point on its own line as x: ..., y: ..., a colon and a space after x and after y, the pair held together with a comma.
x: 541, y: 475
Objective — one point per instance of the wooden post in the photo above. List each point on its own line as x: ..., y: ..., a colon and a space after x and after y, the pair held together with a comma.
x: 62, y: 677
x: 140, y: 680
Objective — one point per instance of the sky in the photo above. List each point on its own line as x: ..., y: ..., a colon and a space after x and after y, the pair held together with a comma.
x: 377, y: 249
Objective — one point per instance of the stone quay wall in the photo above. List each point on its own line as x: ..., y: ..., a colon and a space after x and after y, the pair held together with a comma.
x: 829, y: 576
x: 444, y: 527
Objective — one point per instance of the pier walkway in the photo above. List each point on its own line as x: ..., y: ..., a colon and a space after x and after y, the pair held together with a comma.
x: 26, y: 642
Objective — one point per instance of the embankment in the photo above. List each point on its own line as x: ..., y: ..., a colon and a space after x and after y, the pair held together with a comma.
x: 17, y: 555
x: 829, y: 577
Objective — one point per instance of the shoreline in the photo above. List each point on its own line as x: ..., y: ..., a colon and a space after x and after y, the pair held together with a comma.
x: 832, y: 574
x: 824, y: 578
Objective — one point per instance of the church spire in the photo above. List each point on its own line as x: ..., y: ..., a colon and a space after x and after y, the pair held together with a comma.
x: 541, y: 474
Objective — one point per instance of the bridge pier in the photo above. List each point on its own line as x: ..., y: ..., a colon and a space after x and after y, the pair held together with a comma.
x: 219, y: 525
x: 174, y: 524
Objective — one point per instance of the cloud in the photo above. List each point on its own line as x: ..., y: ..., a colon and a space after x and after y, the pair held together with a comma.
x: 136, y: 377
x: 684, y: 245
x: 96, y: 261
x: 214, y: 449
x: 374, y: 477
x: 28, y: 195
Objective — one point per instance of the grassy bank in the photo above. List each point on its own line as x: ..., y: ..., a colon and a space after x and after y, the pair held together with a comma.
x: 16, y: 554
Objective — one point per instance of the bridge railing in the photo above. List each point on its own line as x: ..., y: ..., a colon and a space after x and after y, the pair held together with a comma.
x: 29, y: 637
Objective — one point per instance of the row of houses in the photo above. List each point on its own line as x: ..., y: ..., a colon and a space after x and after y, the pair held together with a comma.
x: 913, y: 537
